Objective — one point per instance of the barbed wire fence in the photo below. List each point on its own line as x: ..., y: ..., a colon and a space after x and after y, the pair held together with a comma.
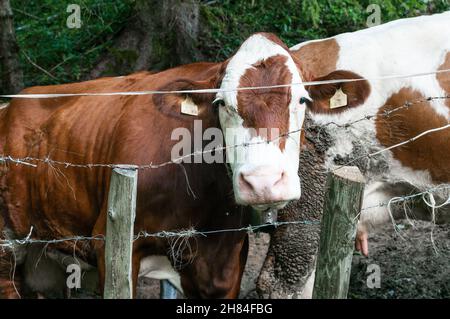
x: 33, y: 161
x: 427, y: 195
x: 6, y: 243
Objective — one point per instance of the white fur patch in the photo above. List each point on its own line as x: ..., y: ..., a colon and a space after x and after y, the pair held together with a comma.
x: 258, y: 48
x: 405, y: 46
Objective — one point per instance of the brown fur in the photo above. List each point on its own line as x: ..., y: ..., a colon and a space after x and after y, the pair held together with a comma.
x: 317, y: 58
x: 431, y: 152
x: 266, y: 108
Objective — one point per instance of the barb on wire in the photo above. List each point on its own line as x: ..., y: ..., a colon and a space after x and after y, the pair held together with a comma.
x: 192, y: 232
x: 27, y: 240
x: 161, y: 234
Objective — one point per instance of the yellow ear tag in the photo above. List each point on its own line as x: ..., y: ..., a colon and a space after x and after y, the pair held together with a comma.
x: 339, y: 99
x: 189, y: 107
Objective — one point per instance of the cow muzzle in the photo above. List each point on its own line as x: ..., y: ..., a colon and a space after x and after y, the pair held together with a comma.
x: 266, y: 187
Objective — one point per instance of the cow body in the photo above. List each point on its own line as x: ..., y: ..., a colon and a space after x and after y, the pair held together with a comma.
x: 401, y: 47
x: 61, y: 201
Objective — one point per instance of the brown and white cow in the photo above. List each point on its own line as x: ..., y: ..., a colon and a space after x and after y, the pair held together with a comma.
x: 401, y: 47
x: 63, y: 201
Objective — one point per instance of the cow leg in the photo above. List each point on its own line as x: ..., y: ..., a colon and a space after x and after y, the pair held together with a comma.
x: 100, y: 253
x: 236, y: 288
x: 10, y: 276
x: 372, y: 214
x: 99, y: 247
x: 375, y: 212
x: 136, y: 265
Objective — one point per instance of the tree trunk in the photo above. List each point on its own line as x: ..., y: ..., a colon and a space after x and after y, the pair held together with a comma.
x: 290, y: 261
x: 11, y: 77
x: 161, y: 34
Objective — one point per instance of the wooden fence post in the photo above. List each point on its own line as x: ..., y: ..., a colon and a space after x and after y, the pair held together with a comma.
x: 119, y: 232
x: 343, y: 199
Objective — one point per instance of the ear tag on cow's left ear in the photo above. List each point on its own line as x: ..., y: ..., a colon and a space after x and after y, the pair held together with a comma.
x: 339, y: 99
x: 189, y: 107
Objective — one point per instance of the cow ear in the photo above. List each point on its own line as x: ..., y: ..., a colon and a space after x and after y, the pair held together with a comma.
x: 182, y: 105
x: 186, y: 104
x: 340, y: 96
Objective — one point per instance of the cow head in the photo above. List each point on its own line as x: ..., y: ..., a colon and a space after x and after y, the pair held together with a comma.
x: 265, y: 169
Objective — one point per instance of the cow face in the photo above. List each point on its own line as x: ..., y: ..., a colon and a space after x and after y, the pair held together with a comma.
x: 264, y: 171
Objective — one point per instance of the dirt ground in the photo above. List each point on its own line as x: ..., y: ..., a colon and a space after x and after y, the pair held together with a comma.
x: 409, y: 265
x: 258, y: 246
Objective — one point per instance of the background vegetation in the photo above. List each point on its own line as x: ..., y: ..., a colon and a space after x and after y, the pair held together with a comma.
x: 67, y: 55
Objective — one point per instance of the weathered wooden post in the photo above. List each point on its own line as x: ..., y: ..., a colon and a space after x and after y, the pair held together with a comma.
x: 343, y: 199
x: 119, y: 232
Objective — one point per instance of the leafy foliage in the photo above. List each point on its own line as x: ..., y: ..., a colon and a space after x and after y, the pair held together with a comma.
x: 69, y: 54
x: 231, y: 21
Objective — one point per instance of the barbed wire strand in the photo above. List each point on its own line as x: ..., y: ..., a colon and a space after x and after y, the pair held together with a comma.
x: 10, y: 243
x: 209, y: 91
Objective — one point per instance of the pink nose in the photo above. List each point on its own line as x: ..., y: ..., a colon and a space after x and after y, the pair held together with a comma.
x: 262, y: 185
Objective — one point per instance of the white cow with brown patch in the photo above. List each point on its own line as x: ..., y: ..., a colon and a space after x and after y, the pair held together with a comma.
x: 414, y: 45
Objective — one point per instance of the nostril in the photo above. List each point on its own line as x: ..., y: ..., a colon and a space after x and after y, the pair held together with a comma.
x: 245, y: 183
x: 280, y: 180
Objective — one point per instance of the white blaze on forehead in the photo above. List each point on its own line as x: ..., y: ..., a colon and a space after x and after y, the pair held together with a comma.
x: 254, y: 49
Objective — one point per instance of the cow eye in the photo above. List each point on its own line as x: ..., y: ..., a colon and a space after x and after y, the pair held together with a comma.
x: 303, y: 100
x: 218, y: 103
